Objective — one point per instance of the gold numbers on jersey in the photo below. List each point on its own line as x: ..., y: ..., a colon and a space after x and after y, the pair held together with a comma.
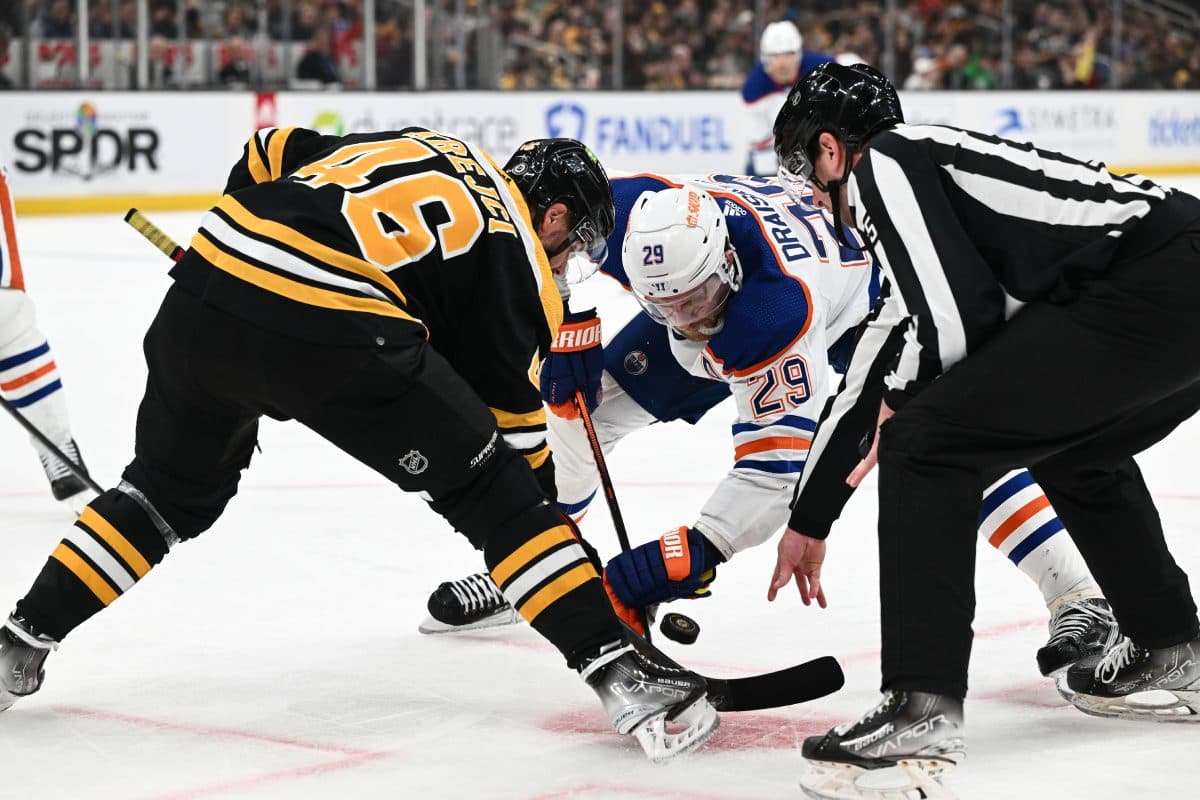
x: 387, y: 220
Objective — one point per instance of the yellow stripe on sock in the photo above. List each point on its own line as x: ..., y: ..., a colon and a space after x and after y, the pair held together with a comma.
x: 82, y: 570
x: 537, y: 459
x: 554, y: 590
x: 529, y: 551
x: 128, y: 553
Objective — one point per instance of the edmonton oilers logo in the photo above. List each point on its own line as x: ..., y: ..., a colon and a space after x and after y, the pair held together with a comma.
x: 413, y: 462
x: 636, y: 362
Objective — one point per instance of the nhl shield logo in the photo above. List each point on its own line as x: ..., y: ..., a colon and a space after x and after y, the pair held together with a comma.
x: 414, y: 463
x: 636, y: 362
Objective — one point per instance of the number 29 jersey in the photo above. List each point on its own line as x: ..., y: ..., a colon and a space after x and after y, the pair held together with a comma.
x: 794, y: 318
x: 380, y: 239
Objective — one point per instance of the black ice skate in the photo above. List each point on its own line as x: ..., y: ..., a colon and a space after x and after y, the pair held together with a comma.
x: 899, y: 750
x: 1078, y: 629
x: 65, y: 485
x: 644, y: 691
x: 22, y: 653
x: 1135, y: 682
x: 468, y: 604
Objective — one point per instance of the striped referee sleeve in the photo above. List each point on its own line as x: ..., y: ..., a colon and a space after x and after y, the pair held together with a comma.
x: 847, y: 419
x: 949, y: 300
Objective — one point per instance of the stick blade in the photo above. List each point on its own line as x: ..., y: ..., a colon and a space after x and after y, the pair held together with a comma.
x: 799, y: 684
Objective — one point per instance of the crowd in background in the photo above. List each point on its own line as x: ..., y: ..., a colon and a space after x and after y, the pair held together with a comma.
x: 683, y: 44
x: 939, y: 44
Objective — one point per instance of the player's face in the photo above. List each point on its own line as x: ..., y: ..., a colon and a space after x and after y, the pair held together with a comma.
x: 782, y: 67
x: 585, y: 251
x: 695, y: 313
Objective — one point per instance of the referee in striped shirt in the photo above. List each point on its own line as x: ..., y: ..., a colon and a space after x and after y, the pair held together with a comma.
x: 1040, y: 311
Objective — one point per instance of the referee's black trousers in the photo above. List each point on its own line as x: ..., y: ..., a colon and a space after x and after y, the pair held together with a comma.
x: 1072, y: 391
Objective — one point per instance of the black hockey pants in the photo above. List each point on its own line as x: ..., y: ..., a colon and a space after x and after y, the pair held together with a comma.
x: 1072, y: 391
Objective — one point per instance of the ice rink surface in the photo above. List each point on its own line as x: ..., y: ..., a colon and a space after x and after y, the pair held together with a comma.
x: 277, y: 655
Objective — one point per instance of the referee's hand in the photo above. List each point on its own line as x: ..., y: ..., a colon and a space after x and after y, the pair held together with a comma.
x: 867, y: 464
x: 800, y: 557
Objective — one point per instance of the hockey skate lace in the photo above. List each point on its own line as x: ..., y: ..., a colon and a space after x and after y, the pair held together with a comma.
x: 477, y: 591
x: 1075, y: 618
x: 884, y: 704
x: 54, y: 468
x: 1116, y: 659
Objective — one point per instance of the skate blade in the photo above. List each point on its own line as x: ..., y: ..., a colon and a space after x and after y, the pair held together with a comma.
x: 915, y: 779
x: 505, y: 616
x: 661, y: 746
x: 1159, y: 705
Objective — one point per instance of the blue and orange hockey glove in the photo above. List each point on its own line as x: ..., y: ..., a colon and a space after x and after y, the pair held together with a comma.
x: 575, y: 361
x: 679, y: 565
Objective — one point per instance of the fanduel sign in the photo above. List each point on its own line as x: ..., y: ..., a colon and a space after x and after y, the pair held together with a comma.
x: 630, y: 133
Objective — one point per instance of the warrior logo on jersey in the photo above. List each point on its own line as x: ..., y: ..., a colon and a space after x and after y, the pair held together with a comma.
x: 636, y: 362
x: 414, y: 463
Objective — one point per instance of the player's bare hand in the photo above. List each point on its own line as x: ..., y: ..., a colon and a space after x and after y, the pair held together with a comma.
x: 800, y: 557
x: 867, y: 464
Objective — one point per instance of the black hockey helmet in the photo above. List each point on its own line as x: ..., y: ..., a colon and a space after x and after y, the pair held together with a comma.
x: 549, y: 171
x: 852, y: 102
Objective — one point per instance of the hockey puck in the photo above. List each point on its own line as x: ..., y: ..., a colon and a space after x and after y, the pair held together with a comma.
x: 679, y: 628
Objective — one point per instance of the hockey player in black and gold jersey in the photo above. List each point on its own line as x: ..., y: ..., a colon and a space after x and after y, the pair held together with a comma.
x: 394, y: 293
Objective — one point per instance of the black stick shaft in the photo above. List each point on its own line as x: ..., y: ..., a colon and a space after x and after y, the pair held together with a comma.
x: 76, y: 469
x: 610, y: 494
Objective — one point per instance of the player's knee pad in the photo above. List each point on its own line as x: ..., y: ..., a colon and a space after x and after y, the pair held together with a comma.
x: 18, y: 321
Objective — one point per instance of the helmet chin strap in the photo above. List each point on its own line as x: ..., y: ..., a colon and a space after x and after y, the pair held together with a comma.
x: 832, y: 188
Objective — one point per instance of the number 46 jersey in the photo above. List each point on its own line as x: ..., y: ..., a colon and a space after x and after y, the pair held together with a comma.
x: 784, y: 334
x: 379, y: 240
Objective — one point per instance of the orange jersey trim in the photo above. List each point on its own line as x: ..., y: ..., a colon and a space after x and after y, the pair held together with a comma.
x: 770, y: 443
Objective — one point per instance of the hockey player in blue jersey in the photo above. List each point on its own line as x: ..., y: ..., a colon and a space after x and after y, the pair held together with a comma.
x: 782, y: 59
x: 746, y: 293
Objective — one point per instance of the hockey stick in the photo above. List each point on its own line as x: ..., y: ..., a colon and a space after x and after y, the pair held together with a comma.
x: 610, y: 493
x: 154, y: 234
x: 76, y: 469
x: 785, y: 687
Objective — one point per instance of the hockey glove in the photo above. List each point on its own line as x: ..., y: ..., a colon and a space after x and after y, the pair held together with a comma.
x: 679, y: 565
x: 575, y: 361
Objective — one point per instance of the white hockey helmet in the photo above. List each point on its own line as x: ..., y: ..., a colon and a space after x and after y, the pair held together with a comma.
x: 780, y: 37
x: 678, y: 258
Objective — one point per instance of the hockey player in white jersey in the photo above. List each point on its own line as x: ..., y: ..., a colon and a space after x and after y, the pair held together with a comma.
x: 29, y: 378
x: 782, y: 59
x: 745, y: 292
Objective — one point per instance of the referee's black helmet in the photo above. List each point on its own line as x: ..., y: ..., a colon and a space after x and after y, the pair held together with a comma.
x: 852, y: 102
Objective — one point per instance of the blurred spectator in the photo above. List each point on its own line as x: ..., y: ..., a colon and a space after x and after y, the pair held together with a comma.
x: 318, y: 63
x: 925, y: 75
x: 161, y: 68
x: 162, y: 19
x: 59, y: 22
x: 394, y: 56
x: 235, y: 72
